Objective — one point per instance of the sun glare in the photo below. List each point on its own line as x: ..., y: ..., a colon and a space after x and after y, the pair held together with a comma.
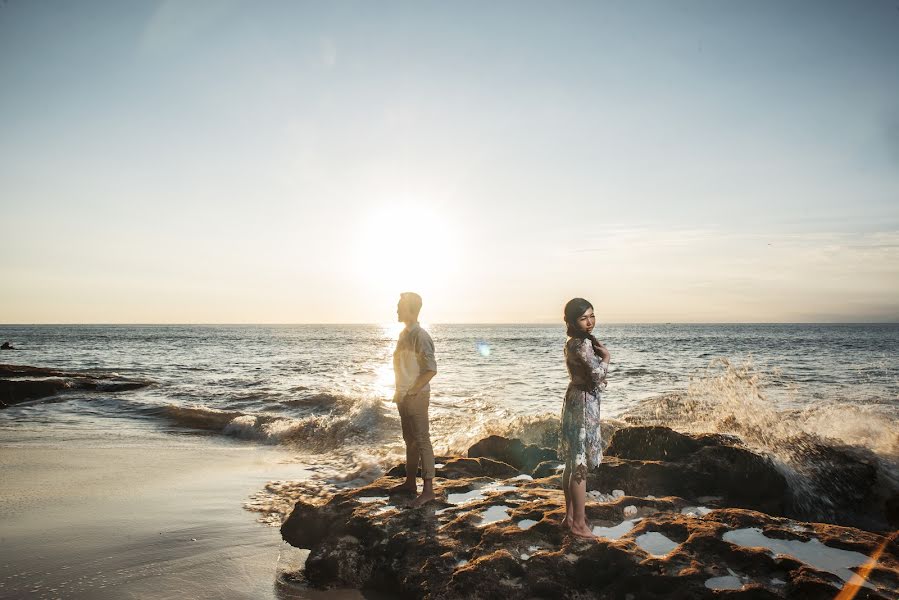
x: 404, y: 248
x: 392, y: 330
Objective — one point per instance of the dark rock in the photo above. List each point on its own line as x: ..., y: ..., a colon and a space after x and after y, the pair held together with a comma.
x: 308, y: 525
x: 457, y: 468
x: 444, y: 551
x: 24, y: 371
x: 811, y: 480
x: 15, y: 391
x: 547, y: 468
x: 494, y: 575
x: 523, y: 457
x: 476, y: 467
x: 651, y: 443
x: 341, y: 560
x: 19, y: 383
x: 892, y: 510
x: 834, y: 482
x: 741, y: 477
x: 659, y: 461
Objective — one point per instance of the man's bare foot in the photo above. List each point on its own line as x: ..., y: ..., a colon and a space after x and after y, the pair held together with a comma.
x: 424, y: 498
x: 582, y: 531
x: 403, y: 488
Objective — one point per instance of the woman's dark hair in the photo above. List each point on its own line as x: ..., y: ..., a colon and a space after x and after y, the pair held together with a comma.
x: 573, y: 311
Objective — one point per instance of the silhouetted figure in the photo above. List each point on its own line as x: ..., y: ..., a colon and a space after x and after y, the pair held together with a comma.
x: 7, y: 346
x: 414, y: 366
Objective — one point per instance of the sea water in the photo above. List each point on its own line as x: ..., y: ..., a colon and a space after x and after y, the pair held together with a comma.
x: 325, y: 391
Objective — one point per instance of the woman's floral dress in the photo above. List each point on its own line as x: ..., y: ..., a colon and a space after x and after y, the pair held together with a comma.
x: 580, y: 442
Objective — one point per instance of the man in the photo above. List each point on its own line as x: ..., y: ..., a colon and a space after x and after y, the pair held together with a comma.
x: 414, y: 366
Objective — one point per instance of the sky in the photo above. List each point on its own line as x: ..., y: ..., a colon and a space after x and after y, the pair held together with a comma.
x: 300, y: 162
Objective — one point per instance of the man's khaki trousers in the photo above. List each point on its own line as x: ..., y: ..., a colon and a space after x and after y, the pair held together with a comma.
x: 416, y: 433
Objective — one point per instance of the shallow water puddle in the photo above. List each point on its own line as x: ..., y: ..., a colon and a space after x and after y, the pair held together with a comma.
x: 725, y: 582
x: 613, y: 533
x: 478, y: 493
x: 526, y: 524
x: 812, y: 552
x: 493, y: 514
x: 463, y: 497
x: 655, y: 543
x: 530, y: 552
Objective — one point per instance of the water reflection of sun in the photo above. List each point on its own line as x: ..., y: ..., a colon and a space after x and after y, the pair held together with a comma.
x: 392, y: 330
x: 385, y: 382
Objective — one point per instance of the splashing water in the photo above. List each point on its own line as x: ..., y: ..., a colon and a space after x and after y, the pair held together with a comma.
x: 835, y: 455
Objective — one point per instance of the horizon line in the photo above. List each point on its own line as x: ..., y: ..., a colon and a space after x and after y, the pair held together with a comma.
x: 470, y: 323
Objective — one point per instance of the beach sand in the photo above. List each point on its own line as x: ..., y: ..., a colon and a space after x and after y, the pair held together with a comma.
x: 159, y: 519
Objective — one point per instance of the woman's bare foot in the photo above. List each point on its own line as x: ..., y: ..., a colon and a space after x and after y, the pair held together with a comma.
x: 403, y: 488
x: 424, y: 498
x: 582, y: 531
x: 565, y: 523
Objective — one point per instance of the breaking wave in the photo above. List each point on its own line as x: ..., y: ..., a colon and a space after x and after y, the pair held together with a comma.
x: 836, y: 457
x: 349, y: 422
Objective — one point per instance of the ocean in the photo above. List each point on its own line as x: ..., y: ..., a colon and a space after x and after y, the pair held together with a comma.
x: 324, y: 391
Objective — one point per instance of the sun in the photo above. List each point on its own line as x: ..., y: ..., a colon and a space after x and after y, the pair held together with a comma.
x: 404, y: 248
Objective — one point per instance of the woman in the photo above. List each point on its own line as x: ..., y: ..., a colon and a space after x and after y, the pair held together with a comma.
x: 587, y: 361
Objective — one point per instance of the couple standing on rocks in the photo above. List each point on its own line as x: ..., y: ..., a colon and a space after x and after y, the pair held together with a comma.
x: 587, y: 360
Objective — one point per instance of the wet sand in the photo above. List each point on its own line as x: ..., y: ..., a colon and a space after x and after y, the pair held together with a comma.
x: 159, y: 519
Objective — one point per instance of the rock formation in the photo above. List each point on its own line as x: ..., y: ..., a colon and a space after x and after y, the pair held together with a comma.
x: 679, y: 517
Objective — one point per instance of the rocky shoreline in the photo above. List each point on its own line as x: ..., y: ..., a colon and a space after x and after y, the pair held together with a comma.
x: 679, y: 516
x: 19, y: 383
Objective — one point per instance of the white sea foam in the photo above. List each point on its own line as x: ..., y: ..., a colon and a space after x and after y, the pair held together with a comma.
x: 729, y: 398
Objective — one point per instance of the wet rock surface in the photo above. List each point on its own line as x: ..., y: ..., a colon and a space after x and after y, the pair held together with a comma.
x: 495, y: 531
x: 656, y: 460
x: 831, y: 483
x: 523, y: 457
x: 19, y: 383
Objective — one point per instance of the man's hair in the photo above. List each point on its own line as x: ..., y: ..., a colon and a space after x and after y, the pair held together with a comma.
x: 412, y: 300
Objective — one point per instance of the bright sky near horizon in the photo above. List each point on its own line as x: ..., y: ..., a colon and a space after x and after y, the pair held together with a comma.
x: 288, y: 162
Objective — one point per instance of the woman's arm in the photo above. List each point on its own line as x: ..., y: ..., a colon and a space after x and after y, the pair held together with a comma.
x: 597, y: 366
x: 603, y: 352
